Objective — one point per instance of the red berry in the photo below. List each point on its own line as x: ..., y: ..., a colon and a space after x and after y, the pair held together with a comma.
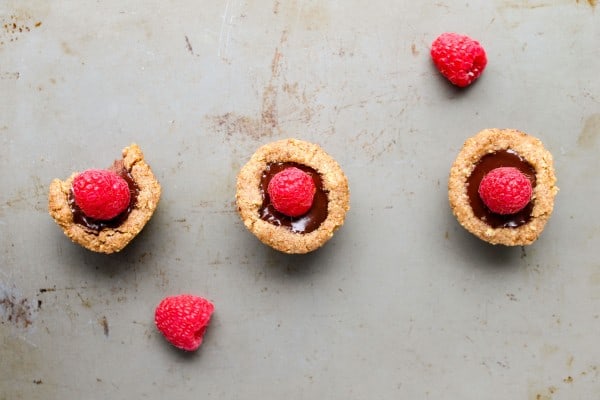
x: 292, y: 191
x: 183, y: 320
x: 101, y: 194
x: 458, y: 57
x: 505, y: 190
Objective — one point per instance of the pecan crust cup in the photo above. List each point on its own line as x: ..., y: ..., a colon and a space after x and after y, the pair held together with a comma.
x: 293, y: 235
x: 493, y: 148
x: 108, y: 236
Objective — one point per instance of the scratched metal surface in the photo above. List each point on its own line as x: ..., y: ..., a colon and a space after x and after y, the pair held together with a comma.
x: 401, y: 303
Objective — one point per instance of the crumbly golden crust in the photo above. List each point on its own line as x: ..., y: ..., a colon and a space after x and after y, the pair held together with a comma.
x: 249, y: 198
x: 532, y: 150
x: 109, y: 240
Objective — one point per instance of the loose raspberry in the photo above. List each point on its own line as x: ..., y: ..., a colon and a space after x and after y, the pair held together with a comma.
x: 101, y: 194
x: 505, y: 190
x: 292, y: 191
x: 458, y: 57
x: 183, y: 320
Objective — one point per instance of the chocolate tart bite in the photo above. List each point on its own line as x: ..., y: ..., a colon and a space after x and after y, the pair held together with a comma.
x: 494, y: 151
x: 280, y: 161
x: 107, y: 235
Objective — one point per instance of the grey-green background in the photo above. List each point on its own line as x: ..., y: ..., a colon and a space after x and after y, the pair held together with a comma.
x: 401, y: 303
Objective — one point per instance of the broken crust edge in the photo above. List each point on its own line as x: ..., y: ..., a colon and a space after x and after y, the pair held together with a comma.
x: 109, y: 240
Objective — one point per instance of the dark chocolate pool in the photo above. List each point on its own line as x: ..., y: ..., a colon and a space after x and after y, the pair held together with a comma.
x: 501, y: 158
x: 305, y: 223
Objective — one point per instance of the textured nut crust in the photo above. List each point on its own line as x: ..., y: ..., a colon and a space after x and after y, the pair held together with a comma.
x: 108, y: 240
x: 249, y: 199
x: 532, y: 150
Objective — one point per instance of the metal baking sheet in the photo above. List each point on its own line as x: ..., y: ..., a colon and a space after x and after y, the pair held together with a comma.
x: 401, y: 303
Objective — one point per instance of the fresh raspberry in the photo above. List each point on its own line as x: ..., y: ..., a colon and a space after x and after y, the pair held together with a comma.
x: 292, y: 191
x: 101, y: 194
x: 505, y: 190
x: 458, y: 57
x: 183, y: 320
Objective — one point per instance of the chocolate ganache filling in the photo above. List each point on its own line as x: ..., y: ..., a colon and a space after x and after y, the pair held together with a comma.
x: 96, y: 225
x: 501, y: 158
x: 305, y: 223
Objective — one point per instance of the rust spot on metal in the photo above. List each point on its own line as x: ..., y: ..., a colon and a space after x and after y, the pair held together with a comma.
x: 104, y: 323
x: 413, y: 49
x: 15, y: 311
x: 188, y: 45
